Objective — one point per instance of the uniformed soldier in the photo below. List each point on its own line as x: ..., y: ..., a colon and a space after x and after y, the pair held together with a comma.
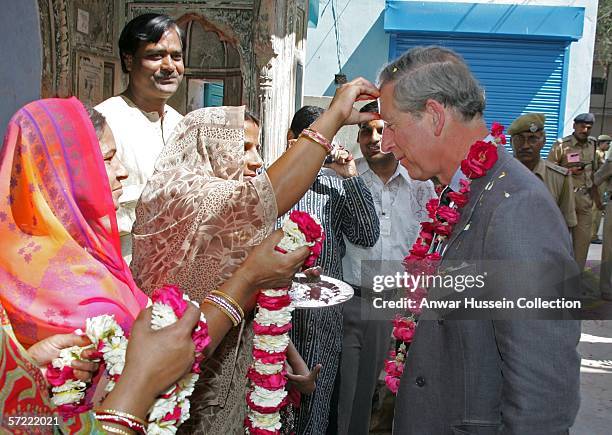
x: 576, y: 152
x: 603, y: 145
x: 603, y: 178
x: 527, y: 139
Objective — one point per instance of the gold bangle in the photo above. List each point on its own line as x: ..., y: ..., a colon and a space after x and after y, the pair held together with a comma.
x: 122, y: 414
x: 223, y: 310
x: 112, y: 429
x: 231, y: 300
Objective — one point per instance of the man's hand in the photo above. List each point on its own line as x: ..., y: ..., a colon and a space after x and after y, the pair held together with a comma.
x: 48, y: 349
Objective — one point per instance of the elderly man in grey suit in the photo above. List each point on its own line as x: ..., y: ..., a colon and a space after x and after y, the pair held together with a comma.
x: 481, y: 376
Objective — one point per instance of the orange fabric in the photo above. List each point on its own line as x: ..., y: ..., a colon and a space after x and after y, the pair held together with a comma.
x: 59, y: 264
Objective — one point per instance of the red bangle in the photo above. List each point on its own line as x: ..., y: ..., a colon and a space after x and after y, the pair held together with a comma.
x: 317, y: 137
x: 123, y: 421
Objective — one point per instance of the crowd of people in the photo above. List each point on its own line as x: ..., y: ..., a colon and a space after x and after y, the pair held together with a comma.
x: 102, y: 206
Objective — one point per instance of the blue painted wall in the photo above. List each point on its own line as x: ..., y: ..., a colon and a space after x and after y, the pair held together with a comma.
x: 21, y: 48
x: 364, y: 45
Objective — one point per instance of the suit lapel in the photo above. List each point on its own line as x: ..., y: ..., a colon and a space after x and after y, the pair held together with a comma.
x: 477, y: 189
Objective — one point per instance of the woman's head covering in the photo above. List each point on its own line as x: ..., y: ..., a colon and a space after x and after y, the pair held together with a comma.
x: 59, y: 262
x: 196, y: 220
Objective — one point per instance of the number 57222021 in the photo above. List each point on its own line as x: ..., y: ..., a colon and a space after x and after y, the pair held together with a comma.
x: 30, y: 420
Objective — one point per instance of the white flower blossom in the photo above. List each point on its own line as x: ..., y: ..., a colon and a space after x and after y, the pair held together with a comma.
x: 269, y: 422
x: 114, y: 354
x: 71, y: 391
x: 66, y: 356
x: 293, y: 238
x: 161, y: 428
x: 161, y: 407
x: 274, y: 293
x: 267, y: 369
x: 268, y: 398
x: 162, y: 316
x: 109, y: 386
x: 186, y: 385
x: 102, y: 327
x: 271, y: 343
x: 185, y: 405
x: 280, y: 317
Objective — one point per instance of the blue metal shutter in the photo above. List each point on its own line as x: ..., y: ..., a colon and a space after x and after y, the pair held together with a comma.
x: 519, y: 76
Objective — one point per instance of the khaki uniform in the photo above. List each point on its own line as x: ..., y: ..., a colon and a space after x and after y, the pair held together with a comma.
x: 559, y: 183
x: 603, y: 178
x: 597, y: 213
x: 581, y: 233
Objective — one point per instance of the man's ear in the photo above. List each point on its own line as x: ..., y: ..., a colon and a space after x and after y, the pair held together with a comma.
x: 436, y: 111
x: 290, y: 135
x: 127, y: 60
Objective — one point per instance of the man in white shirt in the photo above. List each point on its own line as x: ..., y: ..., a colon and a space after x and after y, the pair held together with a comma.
x: 400, y: 205
x: 151, y: 51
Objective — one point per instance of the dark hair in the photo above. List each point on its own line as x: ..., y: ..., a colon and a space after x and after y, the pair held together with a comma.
x: 145, y: 28
x: 371, y: 107
x: 304, y: 117
x: 97, y: 119
x: 250, y: 116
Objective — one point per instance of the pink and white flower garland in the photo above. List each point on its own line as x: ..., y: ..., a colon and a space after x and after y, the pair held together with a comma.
x: 267, y: 395
x: 171, y: 409
x: 425, y: 255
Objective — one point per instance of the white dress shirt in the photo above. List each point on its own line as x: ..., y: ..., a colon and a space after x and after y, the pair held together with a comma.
x: 140, y: 138
x: 400, y: 205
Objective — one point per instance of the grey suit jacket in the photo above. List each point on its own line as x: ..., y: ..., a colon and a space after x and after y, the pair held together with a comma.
x: 498, y: 376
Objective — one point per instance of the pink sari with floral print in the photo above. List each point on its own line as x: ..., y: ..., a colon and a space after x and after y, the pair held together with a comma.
x: 59, y: 264
x: 195, y: 223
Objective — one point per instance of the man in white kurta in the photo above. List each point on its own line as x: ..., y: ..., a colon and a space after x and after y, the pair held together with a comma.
x: 151, y: 50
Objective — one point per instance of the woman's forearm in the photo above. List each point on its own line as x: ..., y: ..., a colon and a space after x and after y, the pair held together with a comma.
x: 219, y: 324
x: 295, y: 171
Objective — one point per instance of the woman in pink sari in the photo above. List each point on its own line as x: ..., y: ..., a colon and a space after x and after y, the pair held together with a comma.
x: 60, y: 261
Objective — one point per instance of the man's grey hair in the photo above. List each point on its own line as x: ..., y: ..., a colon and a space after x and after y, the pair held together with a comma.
x: 435, y: 73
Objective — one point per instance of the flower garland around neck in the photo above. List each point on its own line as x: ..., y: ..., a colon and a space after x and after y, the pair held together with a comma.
x: 267, y: 394
x: 171, y: 409
x: 425, y: 255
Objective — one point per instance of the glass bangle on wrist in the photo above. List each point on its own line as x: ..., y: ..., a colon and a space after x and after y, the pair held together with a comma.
x: 318, y: 138
x: 226, y: 304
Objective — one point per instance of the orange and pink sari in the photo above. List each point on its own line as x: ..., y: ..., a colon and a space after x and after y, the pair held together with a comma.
x: 60, y: 256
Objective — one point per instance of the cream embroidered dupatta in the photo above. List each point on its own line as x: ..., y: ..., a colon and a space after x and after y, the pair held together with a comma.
x: 195, y: 223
